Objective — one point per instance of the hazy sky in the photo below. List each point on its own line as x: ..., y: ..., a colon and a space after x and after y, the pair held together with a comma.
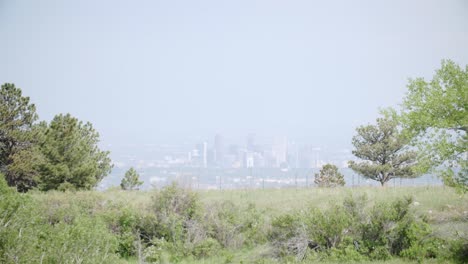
x: 169, y: 71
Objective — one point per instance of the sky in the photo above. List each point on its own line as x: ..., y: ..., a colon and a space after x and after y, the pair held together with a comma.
x: 152, y: 72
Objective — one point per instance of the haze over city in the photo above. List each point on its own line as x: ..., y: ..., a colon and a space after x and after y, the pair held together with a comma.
x: 160, y: 79
x: 248, y: 131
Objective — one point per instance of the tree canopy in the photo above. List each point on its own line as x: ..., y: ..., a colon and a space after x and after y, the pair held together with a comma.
x: 329, y: 176
x: 17, y: 117
x: 435, y: 112
x: 72, y: 156
x: 384, y: 152
x: 131, y: 180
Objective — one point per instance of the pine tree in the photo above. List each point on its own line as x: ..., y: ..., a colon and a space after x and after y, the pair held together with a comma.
x: 131, y: 180
x: 17, y: 117
x: 73, y: 159
x: 329, y: 176
x: 384, y: 151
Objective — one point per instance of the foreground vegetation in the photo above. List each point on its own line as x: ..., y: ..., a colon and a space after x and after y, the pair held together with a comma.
x: 174, y: 225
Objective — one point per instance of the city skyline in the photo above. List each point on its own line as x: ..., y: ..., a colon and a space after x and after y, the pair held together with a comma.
x: 165, y: 72
x: 255, y: 152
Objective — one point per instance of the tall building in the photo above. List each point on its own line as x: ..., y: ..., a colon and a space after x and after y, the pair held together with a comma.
x: 205, y: 155
x: 293, y: 155
x: 218, y: 151
x: 280, y: 151
x: 251, y: 142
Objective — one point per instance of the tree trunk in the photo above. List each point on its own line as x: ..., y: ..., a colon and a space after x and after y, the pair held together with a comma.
x: 383, y: 183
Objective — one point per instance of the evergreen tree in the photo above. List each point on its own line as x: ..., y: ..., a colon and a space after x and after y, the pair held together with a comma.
x: 17, y: 116
x: 384, y: 151
x: 73, y: 159
x: 329, y: 176
x: 131, y: 180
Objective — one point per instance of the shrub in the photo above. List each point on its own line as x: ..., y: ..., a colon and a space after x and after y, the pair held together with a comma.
x: 206, y: 248
x: 233, y: 226
x: 396, y: 229
x: 178, y: 229
x: 328, y: 228
x: 289, y: 236
x: 329, y: 176
x: 28, y: 236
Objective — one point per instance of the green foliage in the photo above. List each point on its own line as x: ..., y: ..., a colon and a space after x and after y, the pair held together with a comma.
x: 394, y: 230
x: 352, y: 232
x: 384, y: 151
x: 92, y: 227
x: 329, y: 177
x: 457, y: 179
x: 328, y: 228
x: 28, y: 234
x: 459, y: 250
x: 289, y: 236
x: 72, y: 157
x: 17, y: 116
x: 63, y: 155
x: 436, y: 112
x: 233, y: 226
x: 206, y: 248
x: 158, y: 251
x: 178, y: 230
x: 131, y: 180
x: 24, y: 168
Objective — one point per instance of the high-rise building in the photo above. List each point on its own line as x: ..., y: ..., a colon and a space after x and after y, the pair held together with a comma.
x: 280, y: 151
x: 251, y: 142
x: 218, y: 151
x: 205, y: 154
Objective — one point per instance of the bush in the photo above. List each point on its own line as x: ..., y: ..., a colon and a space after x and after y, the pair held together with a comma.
x: 234, y: 227
x: 27, y: 234
x: 288, y: 236
x: 329, y: 176
x: 328, y: 228
x: 350, y: 232
x: 206, y: 248
x: 176, y: 224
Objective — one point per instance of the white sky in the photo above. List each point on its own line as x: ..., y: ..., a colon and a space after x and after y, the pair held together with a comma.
x: 173, y: 71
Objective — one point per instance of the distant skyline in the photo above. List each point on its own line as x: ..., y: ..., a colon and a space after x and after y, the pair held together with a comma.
x: 152, y: 72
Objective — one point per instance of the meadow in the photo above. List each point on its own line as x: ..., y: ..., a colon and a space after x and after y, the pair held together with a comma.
x: 176, y: 225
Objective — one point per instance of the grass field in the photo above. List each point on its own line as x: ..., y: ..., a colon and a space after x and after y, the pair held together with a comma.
x: 446, y: 210
x: 441, y: 204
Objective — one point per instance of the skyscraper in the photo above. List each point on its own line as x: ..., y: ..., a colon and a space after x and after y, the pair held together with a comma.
x: 280, y: 151
x: 218, y: 151
x: 205, y: 154
x: 251, y: 142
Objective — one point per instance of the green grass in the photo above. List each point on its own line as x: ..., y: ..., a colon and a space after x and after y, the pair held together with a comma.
x: 446, y: 210
x: 440, y: 203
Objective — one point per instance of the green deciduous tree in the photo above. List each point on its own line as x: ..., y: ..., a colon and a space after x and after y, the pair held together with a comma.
x: 384, y: 152
x: 329, y: 176
x: 72, y: 156
x: 131, y: 180
x: 436, y: 113
x: 17, y: 116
